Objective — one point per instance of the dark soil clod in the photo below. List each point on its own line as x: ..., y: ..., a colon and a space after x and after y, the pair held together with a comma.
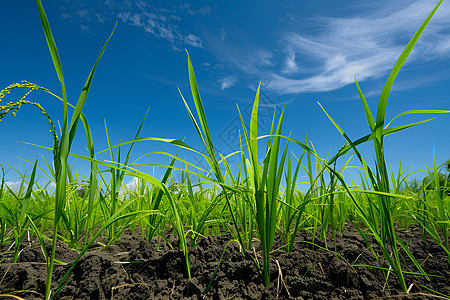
x: 135, y: 269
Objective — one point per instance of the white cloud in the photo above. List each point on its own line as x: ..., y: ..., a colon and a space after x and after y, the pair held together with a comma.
x: 100, y: 18
x: 12, y: 185
x: 264, y: 57
x: 223, y: 34
x: 66, y: 16
x: 158, y: 21
x: 227, y: 82
x: 167, y: 33
x: 124, y: 16
x: 133, y: 183
x: 135, y: 20
x: 193, y: 40
x: 84, y: 28
x: 365, y: 47
x: 109, y: 3
x: 290, y: 66
x: 204, y: 11
x: 83, y: 14
x: 365, y: 44
x: 337, y: 73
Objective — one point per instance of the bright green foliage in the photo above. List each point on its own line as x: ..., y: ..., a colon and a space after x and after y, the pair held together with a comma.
x: 265, y: 181
x: 380, y: 179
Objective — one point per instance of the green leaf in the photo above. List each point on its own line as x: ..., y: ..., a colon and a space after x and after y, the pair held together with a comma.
x: 84, y: 93
x: 367, y: 111
x: 381, y: 111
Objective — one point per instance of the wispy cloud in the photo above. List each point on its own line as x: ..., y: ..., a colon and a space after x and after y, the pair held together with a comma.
x: 365, y: 47
x: 223, y: 34
x: 164, y: 22
x: 160, y: 22
x: 84, y: 28
x: 12, y: 185
x: 290, y: 66
x: 365, y: 44
x: 100, y: 18
x: 228, y: 82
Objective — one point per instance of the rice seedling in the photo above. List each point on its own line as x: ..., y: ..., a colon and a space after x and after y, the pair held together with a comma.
x: 117, y: 176
x: 67, y: 135
x: 265, y: 181
x: 206, y: 139
x: 287, y: 214
x: 380, y: 179
x: 61, y: 148
x: 13, y: 212
x: 435, y: 188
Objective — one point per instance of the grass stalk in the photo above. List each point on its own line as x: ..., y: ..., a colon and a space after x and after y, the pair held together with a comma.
x: 380, y: 181
x: 67, y: 135
x: 206, y: 139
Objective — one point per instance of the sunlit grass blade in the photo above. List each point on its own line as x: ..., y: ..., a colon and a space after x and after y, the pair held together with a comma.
x: 380, y: 182
x: 418, y: 111
x: 92, y: 188
x: 199, y: 106
x: 156, y: 202
x: 67, y: 136
x: 253, y: 149
x: 442, y: 214
x: 207, y: 140
x: 26, y: 199
x: 369, y: 116
x: 369, y: 137
x: 291, y: 183
x: 84, y: 93
x: 381, y: 110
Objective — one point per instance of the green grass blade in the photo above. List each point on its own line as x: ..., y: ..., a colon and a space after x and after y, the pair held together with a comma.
x: 253, y: 149
x: 92, y: 176
x: 369, y: 116
x: 199, y: 107
x: 155, y: 204
x: 419, y: 111
x: 344, y: 149
x: 84, y: 93
x: 274, y: 180
x: 127, y: 158
x: 194, y: 121
x: 27, y: 197
x: 50, y: 42
x: 381, y: 110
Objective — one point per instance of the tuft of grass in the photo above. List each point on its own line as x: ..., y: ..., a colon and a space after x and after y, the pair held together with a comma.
x: 265, y: 181
x: 380, y: 178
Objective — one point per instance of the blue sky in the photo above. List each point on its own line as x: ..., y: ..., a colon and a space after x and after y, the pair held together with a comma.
x: 301, y: 51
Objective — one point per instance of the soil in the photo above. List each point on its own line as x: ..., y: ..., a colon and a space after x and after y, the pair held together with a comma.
x: 133, y: 268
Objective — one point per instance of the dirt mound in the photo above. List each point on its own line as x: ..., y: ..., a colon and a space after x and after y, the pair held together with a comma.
x: 135, y: 269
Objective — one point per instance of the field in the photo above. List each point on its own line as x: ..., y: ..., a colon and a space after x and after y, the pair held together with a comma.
x: 222, y: 232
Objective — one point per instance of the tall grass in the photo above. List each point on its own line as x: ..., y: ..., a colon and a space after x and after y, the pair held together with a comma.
x: 380, y: 179
x: 67, y: 135
x: 61, y: 148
